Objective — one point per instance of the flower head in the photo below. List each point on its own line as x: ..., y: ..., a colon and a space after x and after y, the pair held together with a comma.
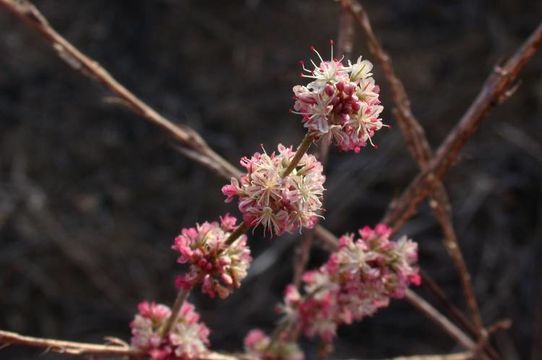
x: 258, y: 344
x: 341, y: 103
x: 278, y: 203
x: 218, y: 266
x: 188, y: 338
x: 359, y: 278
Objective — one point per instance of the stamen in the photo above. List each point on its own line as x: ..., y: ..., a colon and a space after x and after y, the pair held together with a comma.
x: 317, y: 53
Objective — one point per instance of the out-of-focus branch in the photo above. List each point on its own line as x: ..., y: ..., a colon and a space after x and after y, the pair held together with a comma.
x: 67, y: 347
x: 184, y: 135
x: 458, y: 356
x: 79, y: 348
x: 441, y: 320
x: 497, y: 88
x: 421, y: 151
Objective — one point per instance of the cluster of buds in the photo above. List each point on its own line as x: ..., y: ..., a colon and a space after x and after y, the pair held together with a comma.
x: 279, y: 203
x: 341, y: 102
x: 359, y: 278
x: 188, y: 338
x: 214, y: 263
x: 260, y: 346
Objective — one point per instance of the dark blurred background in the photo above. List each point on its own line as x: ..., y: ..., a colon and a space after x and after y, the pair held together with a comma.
x: 91, y: 196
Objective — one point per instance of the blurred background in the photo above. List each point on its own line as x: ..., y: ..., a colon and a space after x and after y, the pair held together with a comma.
x: 91, y: 196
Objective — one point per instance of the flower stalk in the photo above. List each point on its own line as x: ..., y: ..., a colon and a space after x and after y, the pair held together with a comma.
x: 301, y: 150
x: 240, y: 230
x: 179, y: 301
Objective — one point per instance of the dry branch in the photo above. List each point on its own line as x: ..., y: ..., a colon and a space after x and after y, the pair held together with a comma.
x: 184, y: 135
x: 67, y: 347
x: 497, y: 88
x: 79, y: 348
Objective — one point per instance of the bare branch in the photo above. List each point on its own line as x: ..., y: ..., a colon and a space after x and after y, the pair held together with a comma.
x: 79, y: 348
x: 184, y: 135
x: 67, y: 347
x: 440, y: 319
x: 495, y: 90
x: 458, y: 356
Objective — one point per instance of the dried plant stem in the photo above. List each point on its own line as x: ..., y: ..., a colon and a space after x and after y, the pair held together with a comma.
x: 497, y: 88
x: 421, y: 151
x: 184, y: 135
x: 79, y: 348
x: 458, y: 356
x: 440, y: 319
x: 182, y: 295
x: 302, y: 256
x: 301, y: 150
x: 67, y: 347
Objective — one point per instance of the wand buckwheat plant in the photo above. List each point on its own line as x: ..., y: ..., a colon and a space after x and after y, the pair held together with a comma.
x: 282, y: 191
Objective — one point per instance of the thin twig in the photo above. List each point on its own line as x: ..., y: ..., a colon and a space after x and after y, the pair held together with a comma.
x: 458, y: 356
x: 495, y: 90
x: 175, y: 310
x: 79, y: 348
x: 301, y: 150
x: 440, y: 319
x: 67, y: 347
x: 184, y: 135
x: 421, y: 151
x: 302, y: 256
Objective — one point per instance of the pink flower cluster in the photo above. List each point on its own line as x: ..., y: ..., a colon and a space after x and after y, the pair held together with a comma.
x: 219, y: 266
x: 258, y: 345
x: 188, y: 338
x: 278, y: 203
x: 359, y: 278
x: 341, y: 103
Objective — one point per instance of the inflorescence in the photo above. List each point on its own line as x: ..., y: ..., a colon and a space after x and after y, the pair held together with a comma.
x: 278, y: 203
x: 359, y: 278
x: 218, y: 266
x: 341, y: 104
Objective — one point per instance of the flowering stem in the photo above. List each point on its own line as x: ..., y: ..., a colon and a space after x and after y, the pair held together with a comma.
x: 301, y: 150
x: 240, y: 230
x: 181, y: 298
